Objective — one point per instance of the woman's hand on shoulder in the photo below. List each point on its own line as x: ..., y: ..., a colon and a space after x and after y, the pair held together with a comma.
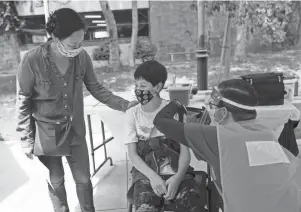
x: 132, y: 104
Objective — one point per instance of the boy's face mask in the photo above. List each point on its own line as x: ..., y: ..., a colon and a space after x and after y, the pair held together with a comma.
x: 143, y: 96
x: 145, y: 91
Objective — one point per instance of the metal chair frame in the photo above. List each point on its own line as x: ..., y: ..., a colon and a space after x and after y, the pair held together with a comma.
x: 93, y: 149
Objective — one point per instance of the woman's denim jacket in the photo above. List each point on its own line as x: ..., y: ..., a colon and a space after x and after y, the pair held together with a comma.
x: 45, y: 95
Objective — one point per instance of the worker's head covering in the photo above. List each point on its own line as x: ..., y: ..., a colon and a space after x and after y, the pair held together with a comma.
x: 235, y: 96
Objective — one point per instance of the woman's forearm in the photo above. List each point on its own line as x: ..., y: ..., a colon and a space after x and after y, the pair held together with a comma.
x: 99, y: 91
x: 25, y: 84
x: 205, y: 147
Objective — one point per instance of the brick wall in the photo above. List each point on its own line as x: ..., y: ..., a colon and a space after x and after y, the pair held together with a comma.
x: 9, y: 53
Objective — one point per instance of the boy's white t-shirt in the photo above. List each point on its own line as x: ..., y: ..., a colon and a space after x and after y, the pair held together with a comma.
x: 139, y: 126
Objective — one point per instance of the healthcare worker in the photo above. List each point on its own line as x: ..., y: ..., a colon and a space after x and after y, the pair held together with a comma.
x: 251, y: 170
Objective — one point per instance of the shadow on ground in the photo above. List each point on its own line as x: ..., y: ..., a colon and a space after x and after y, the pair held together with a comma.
x: 11, y: 174
x: 110, y: 191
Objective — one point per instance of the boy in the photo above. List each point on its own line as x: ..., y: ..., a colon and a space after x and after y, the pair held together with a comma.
x: 161, y: 167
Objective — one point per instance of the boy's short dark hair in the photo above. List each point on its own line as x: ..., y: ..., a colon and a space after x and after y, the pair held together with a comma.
x: 151, y: 71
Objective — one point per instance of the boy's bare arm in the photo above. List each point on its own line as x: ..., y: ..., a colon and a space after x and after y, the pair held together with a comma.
x: 174, y: 182
x: 156, y: 181
x: 139, y: 163
x: 184, y: 161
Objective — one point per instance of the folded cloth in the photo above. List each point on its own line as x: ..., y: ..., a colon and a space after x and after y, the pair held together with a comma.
x: 276, y: 116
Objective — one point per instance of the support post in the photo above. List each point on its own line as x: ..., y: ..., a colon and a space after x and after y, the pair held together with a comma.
x: 201, y: 52
x: 46, y: 13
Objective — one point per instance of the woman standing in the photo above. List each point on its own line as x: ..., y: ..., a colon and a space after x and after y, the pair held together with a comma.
x: 50, y: 106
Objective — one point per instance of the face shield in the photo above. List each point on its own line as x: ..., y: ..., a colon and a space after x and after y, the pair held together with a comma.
x: 217, y: 113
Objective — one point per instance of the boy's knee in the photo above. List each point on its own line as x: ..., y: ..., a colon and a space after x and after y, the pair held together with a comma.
x: 190, y: 198
x: 190, y: 195
x: 147, y: 198
x: 147, y: 208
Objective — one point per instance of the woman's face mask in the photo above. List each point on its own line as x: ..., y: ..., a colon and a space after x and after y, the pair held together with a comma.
x: 72, y: 45
x: 68, y: 52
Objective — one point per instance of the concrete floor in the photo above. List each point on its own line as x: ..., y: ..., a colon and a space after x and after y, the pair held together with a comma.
x: 20, y: 185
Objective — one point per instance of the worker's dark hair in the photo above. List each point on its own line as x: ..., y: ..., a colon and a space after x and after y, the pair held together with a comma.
x: 151, y: 71
x: 63, y: 22
x: 240, y: 92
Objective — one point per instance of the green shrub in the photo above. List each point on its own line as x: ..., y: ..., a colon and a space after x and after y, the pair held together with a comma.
x: 102, y: 52
x: 145, y: 49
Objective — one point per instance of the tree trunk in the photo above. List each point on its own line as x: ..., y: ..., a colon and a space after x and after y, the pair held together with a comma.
x: 16, y: 48
x: 9, y: 51
x: 241, y: 39
x: 297, y: 10
x: 114, y: 60
x: 134, y: 32
x: 226, y: 51
x: 213, y: 37
x: 240, y: 47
